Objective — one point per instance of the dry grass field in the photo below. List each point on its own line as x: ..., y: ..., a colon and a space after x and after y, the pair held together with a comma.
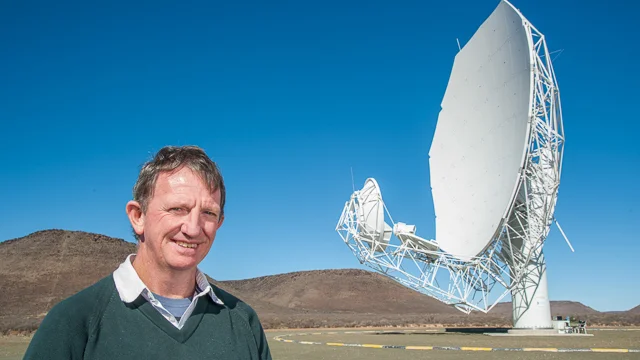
x: 13, y: 347
x: 601, y: 339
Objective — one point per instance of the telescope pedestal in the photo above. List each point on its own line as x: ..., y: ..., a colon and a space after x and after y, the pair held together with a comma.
x: 531, y: 306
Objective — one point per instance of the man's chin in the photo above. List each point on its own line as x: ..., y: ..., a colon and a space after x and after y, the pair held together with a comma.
x: 183, y: 263
x: 183, y: 266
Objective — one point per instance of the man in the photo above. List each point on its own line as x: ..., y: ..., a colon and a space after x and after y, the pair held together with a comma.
x: 157, y: 304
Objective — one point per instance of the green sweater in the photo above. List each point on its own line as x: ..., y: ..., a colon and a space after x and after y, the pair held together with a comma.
x: 96, y: 324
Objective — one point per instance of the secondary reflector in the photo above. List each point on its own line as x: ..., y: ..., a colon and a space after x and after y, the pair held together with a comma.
x: 370, y: 210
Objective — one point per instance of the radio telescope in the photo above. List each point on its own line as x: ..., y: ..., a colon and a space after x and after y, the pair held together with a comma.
x: 495, y: 164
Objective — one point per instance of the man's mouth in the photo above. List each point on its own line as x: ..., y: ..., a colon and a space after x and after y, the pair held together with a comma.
x: 186, y: 245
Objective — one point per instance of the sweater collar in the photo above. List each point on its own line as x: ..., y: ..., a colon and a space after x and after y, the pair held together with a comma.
x: 130, y: 286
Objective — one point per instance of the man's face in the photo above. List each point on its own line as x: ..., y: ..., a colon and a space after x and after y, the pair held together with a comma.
x: 181, y: 221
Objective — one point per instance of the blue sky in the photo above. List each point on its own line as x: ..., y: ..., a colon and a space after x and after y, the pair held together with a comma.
x: 286, y: 97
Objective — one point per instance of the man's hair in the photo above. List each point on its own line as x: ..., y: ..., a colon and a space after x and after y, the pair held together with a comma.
x: 172, y: 158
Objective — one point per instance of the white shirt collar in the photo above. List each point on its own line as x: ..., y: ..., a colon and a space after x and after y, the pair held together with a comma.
x: 130, y: 286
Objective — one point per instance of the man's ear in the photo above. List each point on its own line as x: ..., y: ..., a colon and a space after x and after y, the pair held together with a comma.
x: 220, y: 222
x: 136, y: 217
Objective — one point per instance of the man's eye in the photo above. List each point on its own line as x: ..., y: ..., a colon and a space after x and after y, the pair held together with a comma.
x: 176, y: 209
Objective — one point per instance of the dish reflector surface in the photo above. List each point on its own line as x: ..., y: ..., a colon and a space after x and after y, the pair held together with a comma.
x: 481, y: 137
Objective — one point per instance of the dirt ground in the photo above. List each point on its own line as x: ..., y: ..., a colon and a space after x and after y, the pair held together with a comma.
x: 601, y: 339
x: 13, y: 347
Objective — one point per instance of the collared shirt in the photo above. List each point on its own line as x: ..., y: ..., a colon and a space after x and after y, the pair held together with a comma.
x: 130, y: 286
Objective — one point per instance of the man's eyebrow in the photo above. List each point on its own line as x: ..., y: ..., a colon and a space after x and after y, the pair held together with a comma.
x: 175, y: 203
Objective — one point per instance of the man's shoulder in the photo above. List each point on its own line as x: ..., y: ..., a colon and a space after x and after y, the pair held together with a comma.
x: 65, y: 330
x: 231, y: 301
x: 92, y: 292
x: 82, y: 305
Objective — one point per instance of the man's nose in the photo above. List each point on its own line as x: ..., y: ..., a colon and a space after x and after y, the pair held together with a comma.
x: 191, y: 224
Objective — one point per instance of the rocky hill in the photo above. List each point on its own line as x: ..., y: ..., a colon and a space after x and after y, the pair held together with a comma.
x: 40, y: 269
x: 562, y: 308
x: 634, y: 311
x: 347, y: 290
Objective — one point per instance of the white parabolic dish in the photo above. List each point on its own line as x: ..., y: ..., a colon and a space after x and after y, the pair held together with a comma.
x: 481, y: 140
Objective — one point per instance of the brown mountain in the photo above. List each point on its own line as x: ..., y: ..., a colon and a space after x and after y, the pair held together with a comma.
x: 347, y: 290
x: 55, y: 264
x: 562, y: 308
x: 39, y: 270
x: 634, y: 311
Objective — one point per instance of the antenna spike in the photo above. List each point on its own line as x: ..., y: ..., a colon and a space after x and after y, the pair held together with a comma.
x: 565, y: 236
x: 353, y: 183
x: 557, y: 56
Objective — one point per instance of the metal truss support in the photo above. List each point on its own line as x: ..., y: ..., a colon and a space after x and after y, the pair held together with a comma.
x: 513, y: 260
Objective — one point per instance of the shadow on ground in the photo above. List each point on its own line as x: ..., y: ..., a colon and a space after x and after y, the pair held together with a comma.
x: 447, y: 330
